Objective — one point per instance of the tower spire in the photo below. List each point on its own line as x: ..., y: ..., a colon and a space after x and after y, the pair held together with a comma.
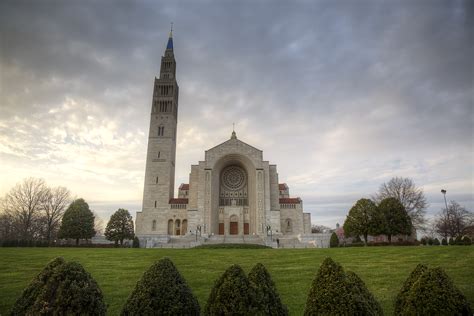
x: 169, y: 46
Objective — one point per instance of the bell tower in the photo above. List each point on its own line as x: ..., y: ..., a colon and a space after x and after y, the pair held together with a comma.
x: 161, y: 153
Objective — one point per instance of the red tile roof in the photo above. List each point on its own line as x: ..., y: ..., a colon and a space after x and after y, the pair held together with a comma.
x: 282, y: 186
x: 290, y: 200
x: 184, y: 186
x: 178, y: 201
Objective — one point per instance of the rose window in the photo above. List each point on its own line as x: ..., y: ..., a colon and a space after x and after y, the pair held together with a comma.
x: 233, y: 178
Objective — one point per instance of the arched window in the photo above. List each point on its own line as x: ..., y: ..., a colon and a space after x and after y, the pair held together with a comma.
x: 153, y: 225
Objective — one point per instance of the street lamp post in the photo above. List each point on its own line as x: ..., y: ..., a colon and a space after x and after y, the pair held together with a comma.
x: 269, y: 228
x: 447, y: 211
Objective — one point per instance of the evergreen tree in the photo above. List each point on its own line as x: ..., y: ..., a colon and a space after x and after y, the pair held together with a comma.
x: 466, y: 241
x: 451, y: 241
x: 444, y: 242
x: 363, y: 219
x: 268, y: 301
x: 161, y: 291
x: 231, y: 294
x: 136, y: 242
x: 395, y: 218
x: 334, y: 241
x: 120, y: 226
x: 78, y: 222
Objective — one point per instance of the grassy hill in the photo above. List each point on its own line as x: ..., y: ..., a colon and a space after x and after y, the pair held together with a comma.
x: 117, y: 270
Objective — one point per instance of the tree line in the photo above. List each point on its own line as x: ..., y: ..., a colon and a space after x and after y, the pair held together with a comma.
x: 32, y: 211
x: 399, y: 208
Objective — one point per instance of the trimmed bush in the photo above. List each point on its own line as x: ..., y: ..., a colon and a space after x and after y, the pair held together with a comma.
x: 136, y: 242
x: 436, y: 242
x: 70, y: 290
x: 435, y: 294
x: 334, y: 293
x: 423, y: 241
x: 334, y: 241
x: 451, y: 241
x: 458, y: 241
x: 25, y: 302
x: 466, y: 241
x: 231, y: 294
x: 402, y: 295
x: 161, y: 291
x: 268, y: 301
x: 444, y: 242
x: 364, y: 300
x: 430, y: 241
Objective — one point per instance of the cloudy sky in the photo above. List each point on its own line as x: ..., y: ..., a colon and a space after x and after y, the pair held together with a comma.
x: 341, y: 95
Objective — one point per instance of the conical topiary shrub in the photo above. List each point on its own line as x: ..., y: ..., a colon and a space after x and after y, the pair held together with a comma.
x: 401, y: 298
x: 25, y: 302
x: 231, y: 294
x: 435, y: 294
x: 267, y: 300
x: 161, y: 291
x: 329, y: 292
x: 334, y: 241
x: 363, y: 299
x: 334, y: 292
x: 70, y: 290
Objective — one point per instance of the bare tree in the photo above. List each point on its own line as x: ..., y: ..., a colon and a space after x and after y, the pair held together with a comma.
x: 453, y: 221
x: 99, y: 224
x: 55, y: 202
x: 315, y: 229
x: 412, y: 198
x: 24, y: 202
x: 7, y: 223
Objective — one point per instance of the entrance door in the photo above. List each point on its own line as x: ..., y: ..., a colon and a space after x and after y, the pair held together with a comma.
x: 246, y: 228
x: 221, y: 228
x: 234, y: 228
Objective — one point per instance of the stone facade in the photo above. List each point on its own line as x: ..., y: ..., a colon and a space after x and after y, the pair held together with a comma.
x: 232, y: 194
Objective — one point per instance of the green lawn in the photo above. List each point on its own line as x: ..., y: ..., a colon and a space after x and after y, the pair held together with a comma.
x: 117, y: 270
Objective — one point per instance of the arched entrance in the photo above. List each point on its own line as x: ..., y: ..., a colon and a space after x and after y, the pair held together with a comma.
x: 234, y: 225
x: 177, y: 227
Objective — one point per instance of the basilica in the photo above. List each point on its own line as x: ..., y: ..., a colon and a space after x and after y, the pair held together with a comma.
x: 234, y: 195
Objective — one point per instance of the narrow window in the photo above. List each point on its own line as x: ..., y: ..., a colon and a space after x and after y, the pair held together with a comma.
x: 153, y: 225
x: 155, y: 204
x: 156, y: 183
x: 159, y: 154
x: 161, y: 130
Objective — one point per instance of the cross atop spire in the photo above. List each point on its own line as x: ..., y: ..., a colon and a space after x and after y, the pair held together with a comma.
x: 169, y: 46
x: 233, y: 136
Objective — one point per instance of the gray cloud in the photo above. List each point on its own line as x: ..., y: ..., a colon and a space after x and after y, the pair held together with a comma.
x: 342, y: 95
